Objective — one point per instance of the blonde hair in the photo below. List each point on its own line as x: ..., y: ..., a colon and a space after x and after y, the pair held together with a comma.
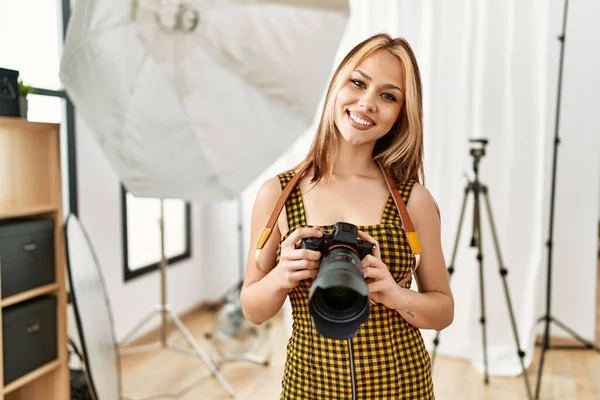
x: 400, y: 151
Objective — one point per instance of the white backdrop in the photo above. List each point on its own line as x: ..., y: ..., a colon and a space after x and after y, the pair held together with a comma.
x: 490, y: 69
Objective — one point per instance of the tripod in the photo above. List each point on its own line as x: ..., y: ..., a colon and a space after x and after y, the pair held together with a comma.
x: 548, y: 318
x: 232, y: 296
x: 164, y: 311
x: 478, y: 189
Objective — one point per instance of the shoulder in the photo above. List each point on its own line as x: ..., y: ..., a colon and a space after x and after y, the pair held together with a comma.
x: 419, y: 193
x: 421, y: 204
x: 267, y: 197
x: 269, y: 191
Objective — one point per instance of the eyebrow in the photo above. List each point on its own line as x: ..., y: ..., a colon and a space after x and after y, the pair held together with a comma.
x: 387, y: 85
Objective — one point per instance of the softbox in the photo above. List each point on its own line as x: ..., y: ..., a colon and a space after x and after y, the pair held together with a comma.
x: 194, y: 99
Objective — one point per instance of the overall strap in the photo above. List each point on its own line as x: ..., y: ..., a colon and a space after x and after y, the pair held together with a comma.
x: 407, y: 224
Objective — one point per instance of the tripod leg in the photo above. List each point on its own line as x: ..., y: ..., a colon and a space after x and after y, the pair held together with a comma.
x: 588, y: 345
x: 253, y: 358
x: 503, y: 272
x: 199, y: 353
x: 476, y: 241
x: 545, y: 345
x: 132, y: 334
x: 436, y: 341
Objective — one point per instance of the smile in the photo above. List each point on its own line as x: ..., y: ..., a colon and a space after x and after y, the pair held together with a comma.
x: 358, y: 120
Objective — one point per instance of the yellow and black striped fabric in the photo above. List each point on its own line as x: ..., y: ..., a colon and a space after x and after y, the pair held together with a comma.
x: 390, y: 358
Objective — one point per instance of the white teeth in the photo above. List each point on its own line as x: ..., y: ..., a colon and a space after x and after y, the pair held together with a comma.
x: 360, y: 120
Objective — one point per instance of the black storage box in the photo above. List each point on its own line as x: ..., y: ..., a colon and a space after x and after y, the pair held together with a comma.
x: 9, y: 93
x: 27, y: 254
x: 29, y: 336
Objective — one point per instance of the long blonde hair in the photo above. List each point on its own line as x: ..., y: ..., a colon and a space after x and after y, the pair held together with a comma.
x: 400, y: 151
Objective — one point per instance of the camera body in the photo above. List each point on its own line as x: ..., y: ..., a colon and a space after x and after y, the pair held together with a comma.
x: 338, y: 299
x: 342, y: 233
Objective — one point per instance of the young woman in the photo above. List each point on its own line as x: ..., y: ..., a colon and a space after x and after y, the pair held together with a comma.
x: 371, y: 126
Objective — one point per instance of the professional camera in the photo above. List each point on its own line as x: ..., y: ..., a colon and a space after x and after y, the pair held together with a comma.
x: 338, y: 300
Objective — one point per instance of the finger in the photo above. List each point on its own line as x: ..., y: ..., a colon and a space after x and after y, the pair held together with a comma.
x: 298, y: 276
x: 374, y: 298
x: 376, y: 286
x: 372, y: 261
x: 372, y: 273
x: 303, y: 254
x: 301, y: 233
x: 365, y: 236
x: 369, y: 238
x: 298, y: 265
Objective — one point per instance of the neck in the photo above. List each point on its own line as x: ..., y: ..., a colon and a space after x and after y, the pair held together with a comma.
x: 355, y: 161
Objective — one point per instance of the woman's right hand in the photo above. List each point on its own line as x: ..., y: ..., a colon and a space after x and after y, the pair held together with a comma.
x: 296, y: 264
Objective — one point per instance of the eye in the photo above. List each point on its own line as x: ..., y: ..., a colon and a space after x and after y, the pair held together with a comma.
x: 358, y: 82
x: 389, y: 96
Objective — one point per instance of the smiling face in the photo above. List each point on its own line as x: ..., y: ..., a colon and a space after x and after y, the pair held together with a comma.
x: 374, y: 102
x: 369, y: 103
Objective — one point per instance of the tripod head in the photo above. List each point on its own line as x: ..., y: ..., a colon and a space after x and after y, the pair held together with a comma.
x: 477, y: 151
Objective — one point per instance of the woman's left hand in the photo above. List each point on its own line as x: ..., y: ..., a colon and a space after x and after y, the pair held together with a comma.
x: 382, y: 286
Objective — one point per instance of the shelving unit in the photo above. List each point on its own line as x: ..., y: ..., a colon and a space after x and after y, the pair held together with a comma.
x: 30, y: 186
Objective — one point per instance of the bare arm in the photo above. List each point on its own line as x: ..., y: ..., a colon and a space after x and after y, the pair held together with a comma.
x: 263, y: 293
x: 433, y: 306
x: 261, y: 296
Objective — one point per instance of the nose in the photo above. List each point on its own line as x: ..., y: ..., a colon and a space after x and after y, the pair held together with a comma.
x: 367, y: 102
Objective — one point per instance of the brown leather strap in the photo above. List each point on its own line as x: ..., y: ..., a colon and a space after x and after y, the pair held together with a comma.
x: 407, y: 224
x: 266, y: 233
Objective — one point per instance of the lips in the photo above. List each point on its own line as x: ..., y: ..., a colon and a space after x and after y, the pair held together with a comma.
x: 359, y: 120
x: 362, y: 116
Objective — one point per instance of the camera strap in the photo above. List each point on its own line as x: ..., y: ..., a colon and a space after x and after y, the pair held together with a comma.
x: 266, y: 233
x: 406, y: 221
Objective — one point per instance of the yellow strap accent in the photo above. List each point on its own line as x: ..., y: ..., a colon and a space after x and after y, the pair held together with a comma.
x: 413, y: 242
x: 263, y: 238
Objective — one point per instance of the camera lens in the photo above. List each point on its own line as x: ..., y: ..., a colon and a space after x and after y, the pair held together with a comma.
x: 339, y: 298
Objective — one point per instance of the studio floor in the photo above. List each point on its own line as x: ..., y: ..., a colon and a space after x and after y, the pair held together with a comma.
x: 162, y: 375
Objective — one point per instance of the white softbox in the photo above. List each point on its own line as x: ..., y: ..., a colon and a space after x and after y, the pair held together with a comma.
x: 193, y: 100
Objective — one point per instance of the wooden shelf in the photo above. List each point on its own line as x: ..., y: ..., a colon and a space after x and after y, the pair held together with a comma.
x: 30, y: 186
x: 20, y: 211
x: 29, y: 163
x: 30, y: 294
x: 32, y: 376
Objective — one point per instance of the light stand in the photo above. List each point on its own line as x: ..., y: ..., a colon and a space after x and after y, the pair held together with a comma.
x: 165, y: 314
x: 478, y: 189
x: 548, y: 318
x: 235, y: 292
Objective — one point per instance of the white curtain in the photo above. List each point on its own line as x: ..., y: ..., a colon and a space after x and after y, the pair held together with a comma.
x: 490, y: 69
